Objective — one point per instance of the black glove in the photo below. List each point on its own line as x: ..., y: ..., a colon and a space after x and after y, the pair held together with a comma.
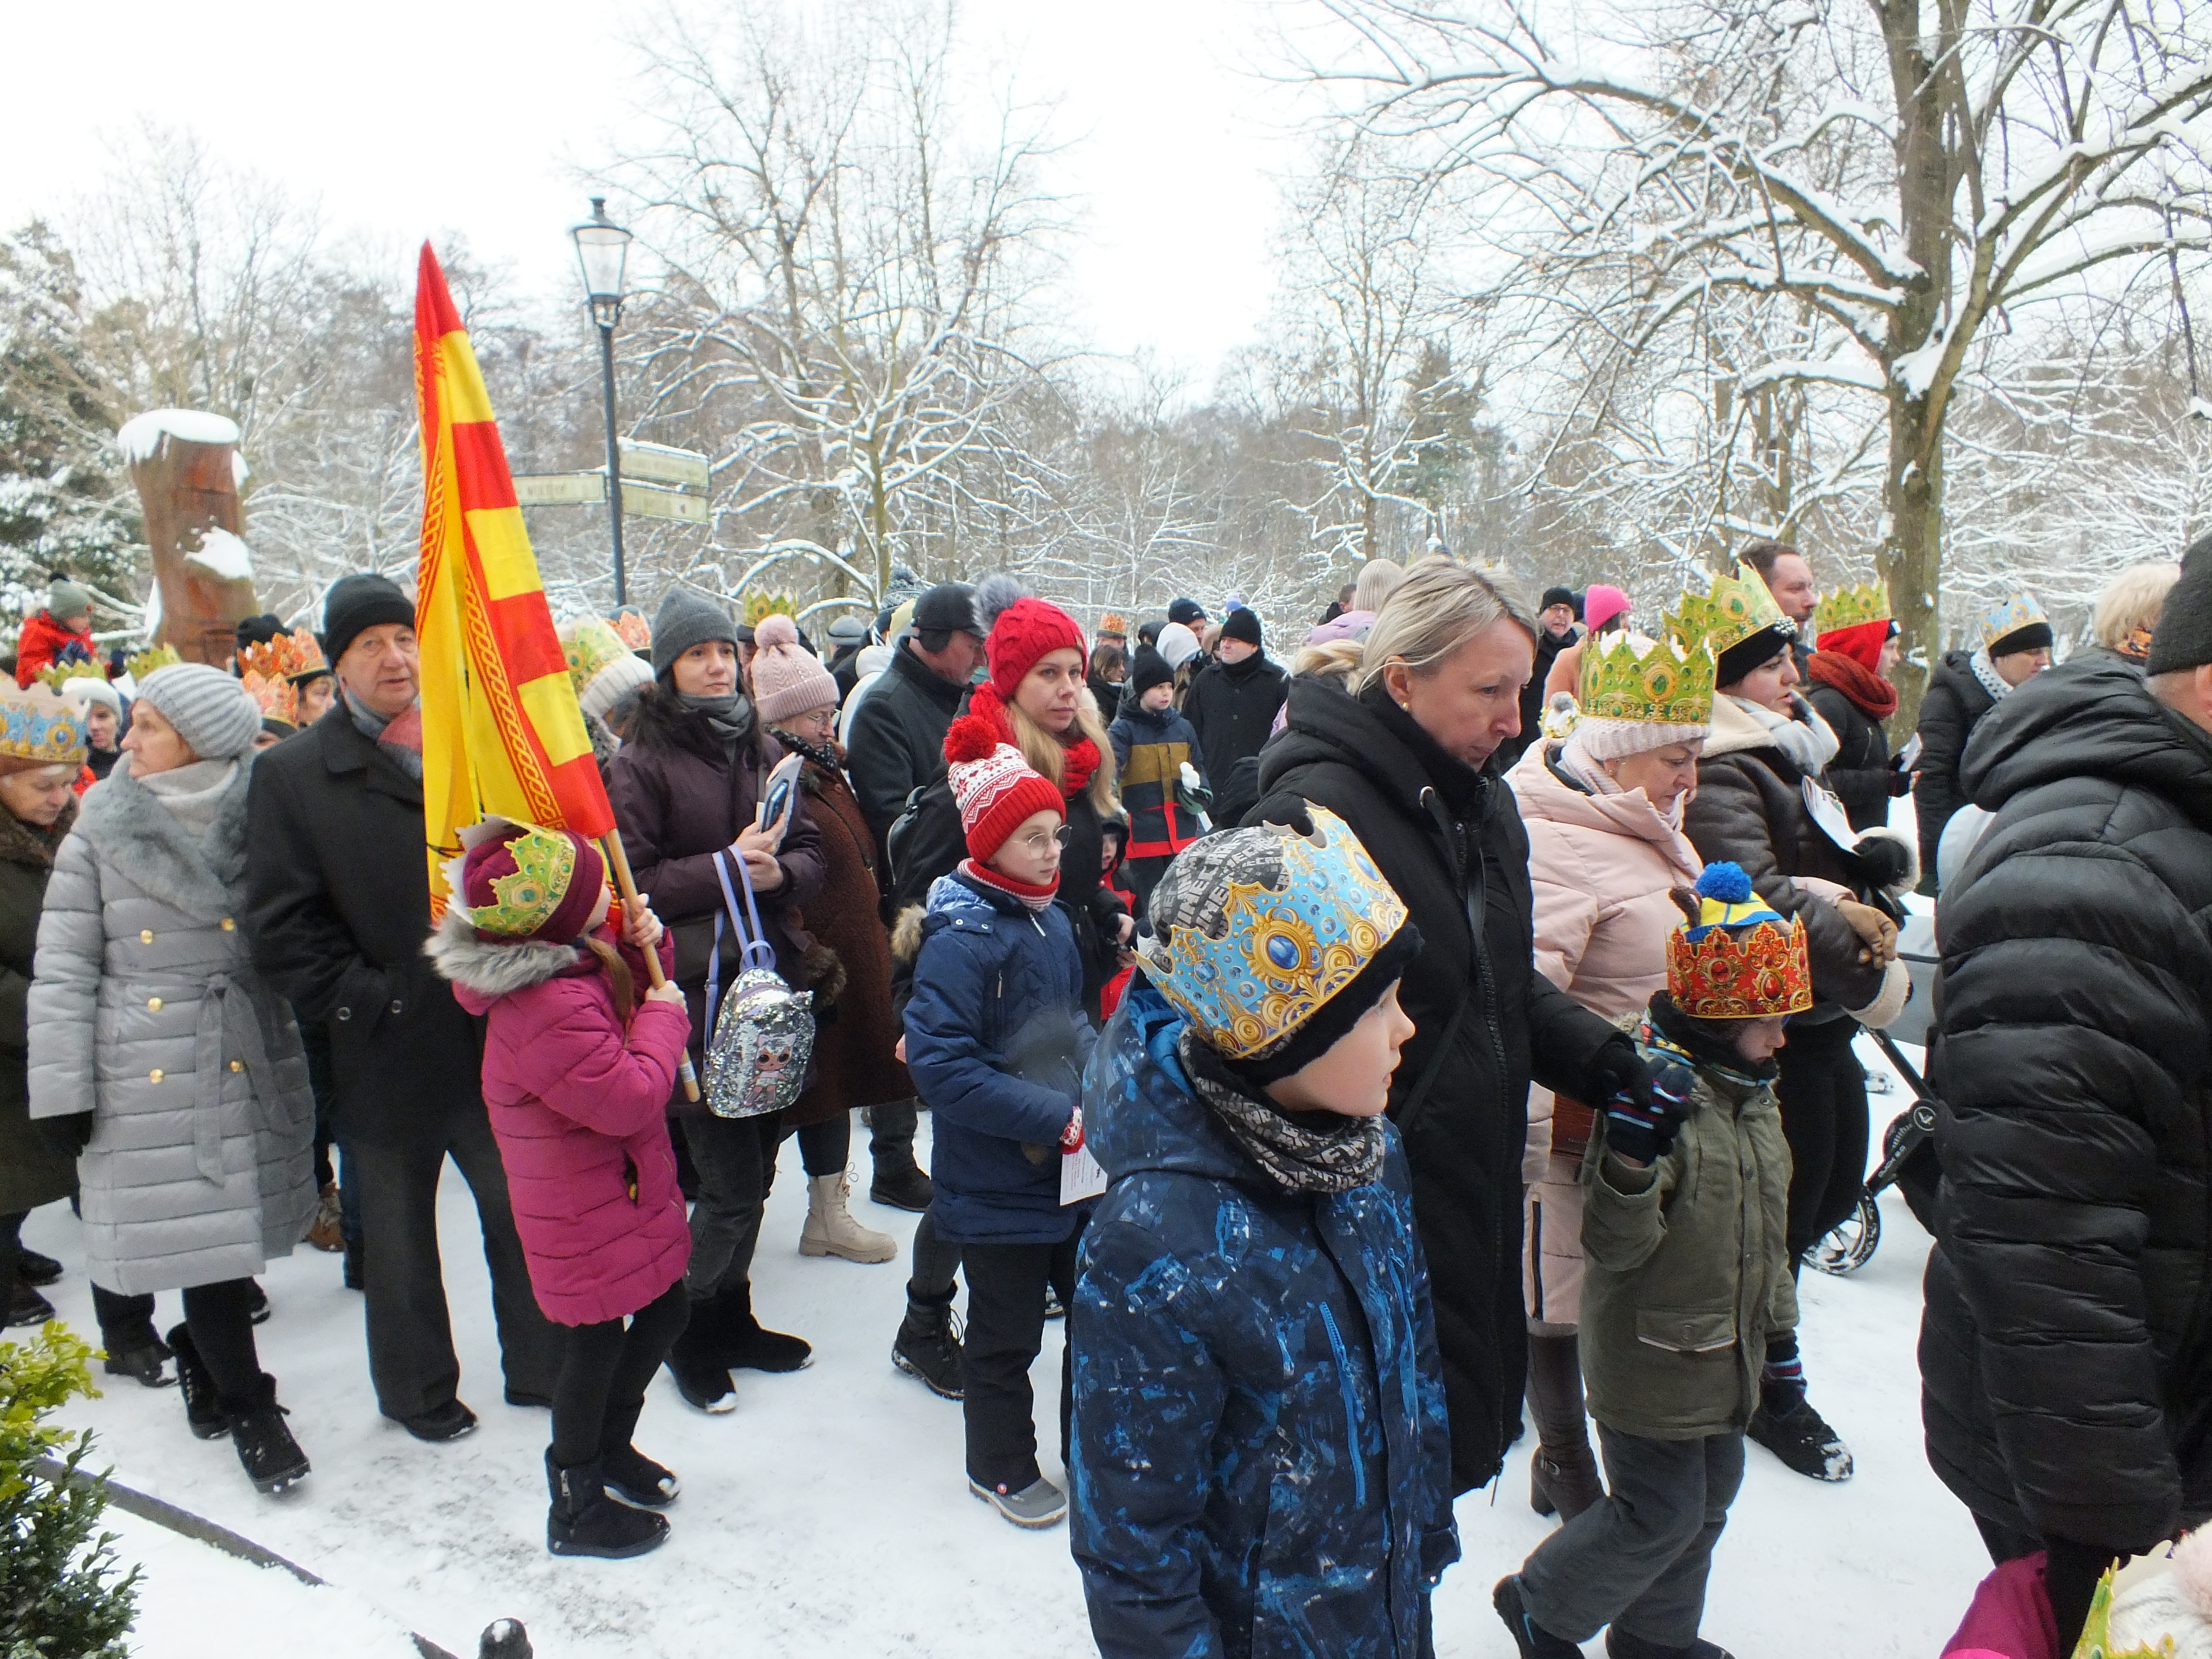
x: 68, y: 1135
x: 1643, y: 1131
x: 1882, y: 861
x: 1618, y: 1069
x: 1289, y: 810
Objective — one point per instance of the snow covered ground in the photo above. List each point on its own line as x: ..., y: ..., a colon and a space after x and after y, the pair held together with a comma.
x: 828, y: 1515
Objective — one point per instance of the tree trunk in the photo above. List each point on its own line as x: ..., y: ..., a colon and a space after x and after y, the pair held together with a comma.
x: 1912, y: 553
x: 187, y: 488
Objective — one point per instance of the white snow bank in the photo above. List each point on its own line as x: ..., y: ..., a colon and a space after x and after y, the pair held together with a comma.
x: 140, y: 439
x: 223, y: 556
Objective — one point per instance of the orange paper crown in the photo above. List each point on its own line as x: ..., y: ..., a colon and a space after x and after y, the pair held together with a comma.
x: 1739, y: 960
x: 288, y: 654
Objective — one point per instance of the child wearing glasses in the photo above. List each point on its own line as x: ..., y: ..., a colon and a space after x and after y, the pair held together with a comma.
x: 996, y: 1040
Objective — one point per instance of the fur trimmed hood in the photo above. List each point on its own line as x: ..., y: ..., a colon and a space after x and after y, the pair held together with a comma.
x: 32, y: 848
x: 201, y: 876
x: 493, y: 971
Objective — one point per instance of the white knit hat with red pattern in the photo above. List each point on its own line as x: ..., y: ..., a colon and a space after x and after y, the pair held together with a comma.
x: 993, y: 786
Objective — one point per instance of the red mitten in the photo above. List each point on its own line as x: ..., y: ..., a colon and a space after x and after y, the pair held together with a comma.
x: 1071, y: 1138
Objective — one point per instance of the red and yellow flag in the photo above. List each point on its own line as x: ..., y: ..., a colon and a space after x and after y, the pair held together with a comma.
x: 501, y: 730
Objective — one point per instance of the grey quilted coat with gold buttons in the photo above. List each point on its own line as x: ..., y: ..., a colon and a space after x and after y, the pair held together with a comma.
x: 146, y: 1011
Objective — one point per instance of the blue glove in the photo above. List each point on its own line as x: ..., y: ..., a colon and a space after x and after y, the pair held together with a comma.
x: 1641, y: 1131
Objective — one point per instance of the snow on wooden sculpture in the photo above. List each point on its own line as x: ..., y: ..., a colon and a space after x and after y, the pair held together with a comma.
x: 187, y: 467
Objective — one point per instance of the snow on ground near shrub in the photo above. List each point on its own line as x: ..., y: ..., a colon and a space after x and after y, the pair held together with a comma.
x: 828, y: 1514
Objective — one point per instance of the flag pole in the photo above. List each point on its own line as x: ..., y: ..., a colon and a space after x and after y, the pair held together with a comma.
x: 626, y: 884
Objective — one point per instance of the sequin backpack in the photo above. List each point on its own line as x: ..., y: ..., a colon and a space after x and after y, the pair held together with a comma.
x: 762, y: 1031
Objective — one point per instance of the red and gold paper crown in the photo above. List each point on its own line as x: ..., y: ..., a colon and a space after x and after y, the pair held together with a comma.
x: 1739, y: 960
x: 288, y: 656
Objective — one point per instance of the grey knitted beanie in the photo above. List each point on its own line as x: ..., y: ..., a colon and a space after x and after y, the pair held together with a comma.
x: 687, y: 619
x: 211, y: 711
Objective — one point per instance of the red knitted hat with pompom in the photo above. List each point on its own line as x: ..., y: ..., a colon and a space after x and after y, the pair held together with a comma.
x: 993, y: 786
x: 1025, y: 631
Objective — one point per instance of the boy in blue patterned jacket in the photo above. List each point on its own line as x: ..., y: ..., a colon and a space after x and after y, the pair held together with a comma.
x: 1260, y: 1456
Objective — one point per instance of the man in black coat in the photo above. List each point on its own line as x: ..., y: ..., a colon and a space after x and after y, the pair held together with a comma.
x: 1556, y: 631
x: 897, y: 746
x: 337, y: 910
x: 2066, y: 1349
x: 1232, y: 705
x: 1449, y: 839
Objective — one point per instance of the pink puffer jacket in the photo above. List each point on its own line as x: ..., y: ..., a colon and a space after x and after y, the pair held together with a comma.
x: 580, y: 1117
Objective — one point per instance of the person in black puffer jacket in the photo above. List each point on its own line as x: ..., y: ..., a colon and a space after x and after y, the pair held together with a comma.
x: 1850, y: 689
x: 2016, y: 643
x: 2066, y: 1347
x: 1232, y: 705
x: 1444, y: 830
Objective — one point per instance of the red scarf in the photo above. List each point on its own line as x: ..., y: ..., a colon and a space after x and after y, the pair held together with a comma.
x: 1038, y: 898
x: 1875, y: 695
x: 1078, y: 758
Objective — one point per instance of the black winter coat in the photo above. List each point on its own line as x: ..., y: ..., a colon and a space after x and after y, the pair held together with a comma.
x: 2066, y: 1350
x: 1232, y: 709
x: 1450, y: 839
x: 1955, y: 702
x: 1548, y: 647
x: 1861, y: 774
x: 898, y: 740
x: 337, y: 910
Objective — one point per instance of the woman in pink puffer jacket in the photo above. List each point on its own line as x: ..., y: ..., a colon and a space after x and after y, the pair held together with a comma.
x: 577, y: 1074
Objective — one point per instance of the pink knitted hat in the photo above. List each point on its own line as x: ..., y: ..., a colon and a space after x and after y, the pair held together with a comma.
x: 993, y: 786
x: 787, y: 680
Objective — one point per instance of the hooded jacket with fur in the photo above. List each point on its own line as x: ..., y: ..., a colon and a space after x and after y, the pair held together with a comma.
x: 579, y: 1110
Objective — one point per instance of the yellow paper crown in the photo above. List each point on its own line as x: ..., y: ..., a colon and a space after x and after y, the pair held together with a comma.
x: 288, y: 654
x: 54, y: 676
x: 1627, y: 677
x: 1853, y: 607
x: 758, y: 606
x: 160, y: 656
x: 1738, y: 607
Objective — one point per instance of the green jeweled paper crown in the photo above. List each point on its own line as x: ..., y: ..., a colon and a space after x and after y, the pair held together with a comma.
x: 1626, y: 677
x: 759, y: 606
x: 2018, y: 611
x: 1738, y: 607
x: 1288, y: 947
x: 544, y: 864
x: 39, y: 727
x: 1852, y: 607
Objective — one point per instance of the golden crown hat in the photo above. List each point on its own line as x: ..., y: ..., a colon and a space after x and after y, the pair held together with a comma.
x: 2019, y: 611
x: 1852, y: 607
x: 297, y: 653
x: 759, y: 606
x: 591, y: 645
x: 1628, y: 677
x: 37, y: 725
x: 1738, y: 606
x: 149, y: 661
x: 279, y: 696
x: 1290, y: 944
x: 637, y: 632
x: 1739, y: 959
x: 54, y: 676
x: 524, y: 900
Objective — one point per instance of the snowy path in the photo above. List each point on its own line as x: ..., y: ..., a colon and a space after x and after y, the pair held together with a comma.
x: 828, y: 1515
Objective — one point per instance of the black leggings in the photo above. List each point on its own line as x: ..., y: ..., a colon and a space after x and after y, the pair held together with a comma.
x: 823, y: 1148
x: 220, y: 1319
x: 1822, y: 1095
x: 11, y: 1247
x: 603, y: 1370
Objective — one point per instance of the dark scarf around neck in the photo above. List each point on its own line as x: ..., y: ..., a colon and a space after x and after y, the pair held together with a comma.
x: 1317, y: 1153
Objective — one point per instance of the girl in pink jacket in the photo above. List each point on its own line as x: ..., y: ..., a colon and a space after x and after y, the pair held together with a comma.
x: 577, y: 1074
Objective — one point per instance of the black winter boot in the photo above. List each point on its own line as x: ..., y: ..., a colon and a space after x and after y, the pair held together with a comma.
x: 701, y: 1377
x: 1625, y: 1645
x: 631, y: 1475
x: 899, y: 1181
x: 584, y: 1520
x: 1563, y: 1477
x: 928, y: 1345
x: 1531, y: 1638
x: 1787, y: 1426
x: 204, y: 1412
x: 26, y: 1307
x: 36, y: 1269
x: 271, y: 1458
x: 745, y: 1344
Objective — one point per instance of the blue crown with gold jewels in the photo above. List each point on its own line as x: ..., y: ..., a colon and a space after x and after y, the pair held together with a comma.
x: 1258, y: 934
x: 37, y: 725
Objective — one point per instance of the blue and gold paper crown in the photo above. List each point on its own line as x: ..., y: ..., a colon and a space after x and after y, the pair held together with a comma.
x: 2018, y: 611
x: 41, y: 728
x: 1286, y: 943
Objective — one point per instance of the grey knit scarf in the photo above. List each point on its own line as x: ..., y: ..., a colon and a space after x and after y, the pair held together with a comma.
x: 1294, y: 1156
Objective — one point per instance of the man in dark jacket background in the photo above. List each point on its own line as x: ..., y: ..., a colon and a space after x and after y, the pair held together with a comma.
x: 338, y: 907
x: 1232, y: 705
x: 1555, y: 631
x: 897, y: 745
x: 2066, y: 1348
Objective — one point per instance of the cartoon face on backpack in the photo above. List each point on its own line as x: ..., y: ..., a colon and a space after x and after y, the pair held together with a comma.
x: 763, y: 1038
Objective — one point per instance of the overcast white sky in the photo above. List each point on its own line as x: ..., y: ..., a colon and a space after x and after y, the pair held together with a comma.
x: 410, y: 117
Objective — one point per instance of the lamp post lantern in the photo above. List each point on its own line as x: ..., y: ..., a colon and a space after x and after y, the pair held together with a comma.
x: 602, y: 248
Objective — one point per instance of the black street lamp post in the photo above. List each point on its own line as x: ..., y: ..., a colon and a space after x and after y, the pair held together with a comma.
x: 602, y: 247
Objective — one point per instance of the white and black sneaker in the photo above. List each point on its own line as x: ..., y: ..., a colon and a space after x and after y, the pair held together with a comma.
x: 1037, y: 1505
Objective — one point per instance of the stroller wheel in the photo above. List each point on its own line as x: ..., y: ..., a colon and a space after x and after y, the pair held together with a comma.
x: 1852, y: 1245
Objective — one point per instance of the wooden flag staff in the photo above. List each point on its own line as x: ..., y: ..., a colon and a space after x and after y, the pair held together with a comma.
x: 626, y: 885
